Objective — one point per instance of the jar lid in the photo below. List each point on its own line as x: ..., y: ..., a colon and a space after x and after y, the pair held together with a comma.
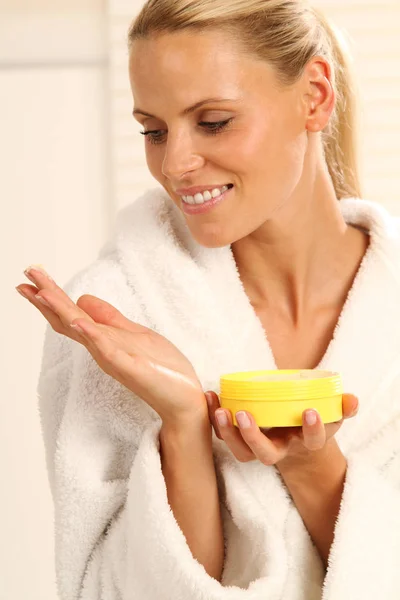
x: 280, y: 384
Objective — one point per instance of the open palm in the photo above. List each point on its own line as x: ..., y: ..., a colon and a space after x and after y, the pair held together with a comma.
x: 141, y: 359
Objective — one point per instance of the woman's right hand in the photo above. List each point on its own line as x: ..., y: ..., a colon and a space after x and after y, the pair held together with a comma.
x: 142, y: 360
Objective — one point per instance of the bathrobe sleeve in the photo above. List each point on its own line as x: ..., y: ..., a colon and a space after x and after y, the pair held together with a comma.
x: 365, y: 554
x: 116, y: 537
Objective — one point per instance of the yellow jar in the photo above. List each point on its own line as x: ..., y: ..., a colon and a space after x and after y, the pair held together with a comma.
x: 278, y: 398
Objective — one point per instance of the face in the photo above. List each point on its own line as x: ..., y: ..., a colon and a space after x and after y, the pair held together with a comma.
x: 253, y: 137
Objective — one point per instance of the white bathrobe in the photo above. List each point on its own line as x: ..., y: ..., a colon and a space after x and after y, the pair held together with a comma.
x: 116, y: 537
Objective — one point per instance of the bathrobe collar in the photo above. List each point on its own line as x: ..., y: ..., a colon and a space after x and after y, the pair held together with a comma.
x: 190, y: 292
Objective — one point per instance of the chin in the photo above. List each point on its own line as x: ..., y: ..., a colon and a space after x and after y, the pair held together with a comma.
x: 212, y: 240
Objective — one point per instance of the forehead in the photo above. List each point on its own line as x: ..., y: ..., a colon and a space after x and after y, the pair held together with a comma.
x: 178, y: 53
x: 191, y: 62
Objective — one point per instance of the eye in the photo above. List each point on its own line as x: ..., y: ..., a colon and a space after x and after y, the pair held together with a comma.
x: 214, y: 127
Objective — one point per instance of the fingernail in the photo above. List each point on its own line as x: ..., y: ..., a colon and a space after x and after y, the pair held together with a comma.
x: 22, y: 293
x: 311, y: 417
x: 37, y: 268
x: 243, y: 419
x: 221, y: 418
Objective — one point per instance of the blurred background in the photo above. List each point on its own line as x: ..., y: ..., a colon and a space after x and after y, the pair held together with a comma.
x: 70, y: 158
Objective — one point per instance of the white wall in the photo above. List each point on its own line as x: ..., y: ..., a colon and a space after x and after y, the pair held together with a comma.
x: 372, y: 29
x: 56, y: 209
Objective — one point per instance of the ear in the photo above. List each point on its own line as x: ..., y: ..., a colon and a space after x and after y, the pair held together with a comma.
x: 319, y: 95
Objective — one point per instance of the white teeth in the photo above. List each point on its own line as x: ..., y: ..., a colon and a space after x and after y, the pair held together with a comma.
x: 207, y: 195
x: 198, y: 198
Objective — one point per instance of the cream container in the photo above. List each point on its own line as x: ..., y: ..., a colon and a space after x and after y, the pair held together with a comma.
x: 278, y: 398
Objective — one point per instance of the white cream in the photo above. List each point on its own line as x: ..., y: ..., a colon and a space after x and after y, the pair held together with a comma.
x: 303, y: 374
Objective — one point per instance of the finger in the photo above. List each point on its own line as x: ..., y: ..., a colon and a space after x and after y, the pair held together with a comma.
x: 260, y: 445
x: 232, y: 436
x: 29, y: 292
x: 350, y: 405
x: 62, y: 305
x: 44, y: 281
x: 54, y: 304
x: 90, y: 307
x: 283, y: 436
x: 314, y: 435
x: 213, y: 405
x: 103, y: 349
x: 40, y: 277
x: 103, y: 312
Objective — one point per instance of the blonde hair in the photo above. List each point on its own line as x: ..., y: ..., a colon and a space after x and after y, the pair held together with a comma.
x: 286, y: 34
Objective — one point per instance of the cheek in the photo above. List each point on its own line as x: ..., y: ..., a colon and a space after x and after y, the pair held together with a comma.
x: 154, y: 161
x: 260, y: 152
x: 273, y: 156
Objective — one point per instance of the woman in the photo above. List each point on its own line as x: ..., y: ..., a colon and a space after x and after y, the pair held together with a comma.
x: 278, y: 264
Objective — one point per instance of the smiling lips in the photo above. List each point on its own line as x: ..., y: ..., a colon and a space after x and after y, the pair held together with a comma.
x: 200, y: 198
x: 200, y: 205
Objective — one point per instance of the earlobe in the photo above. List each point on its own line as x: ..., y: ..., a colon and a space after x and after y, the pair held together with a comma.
x: 312, y: 123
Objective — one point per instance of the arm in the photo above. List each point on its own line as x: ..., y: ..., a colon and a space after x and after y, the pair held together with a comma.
x: 188, y: 468
x: 116, y: 536
x: 317, y: 491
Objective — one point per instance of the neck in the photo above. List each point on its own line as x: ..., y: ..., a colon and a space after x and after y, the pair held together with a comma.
x: 304, y: 256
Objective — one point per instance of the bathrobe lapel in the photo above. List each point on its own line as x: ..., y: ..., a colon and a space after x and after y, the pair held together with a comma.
x: 194, y: 296
x: 190, y: 292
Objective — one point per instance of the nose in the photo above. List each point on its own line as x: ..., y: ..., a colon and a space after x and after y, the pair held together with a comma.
x: 180, y: 157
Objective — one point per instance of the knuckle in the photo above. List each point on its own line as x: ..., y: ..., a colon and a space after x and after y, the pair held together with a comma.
x: 217, y: 432
x: 250, y: 437
x: 245, y: 458
x: 108, y: 354
x: 268, y: 461
x: 103, y: 364
x: 315, y: 444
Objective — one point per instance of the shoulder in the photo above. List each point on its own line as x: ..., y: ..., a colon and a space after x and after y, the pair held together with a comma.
x: 377, y: 219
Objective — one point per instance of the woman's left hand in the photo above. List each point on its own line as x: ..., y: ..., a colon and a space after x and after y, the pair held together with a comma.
x: 277, y: 444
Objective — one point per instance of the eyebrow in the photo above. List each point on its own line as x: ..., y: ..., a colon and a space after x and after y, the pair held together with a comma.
x: 190, y: 109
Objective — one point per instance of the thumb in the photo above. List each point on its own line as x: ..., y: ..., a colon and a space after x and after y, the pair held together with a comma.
x: 106, y: 314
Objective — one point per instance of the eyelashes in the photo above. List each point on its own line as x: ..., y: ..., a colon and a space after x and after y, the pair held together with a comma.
x: 211, y: 127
